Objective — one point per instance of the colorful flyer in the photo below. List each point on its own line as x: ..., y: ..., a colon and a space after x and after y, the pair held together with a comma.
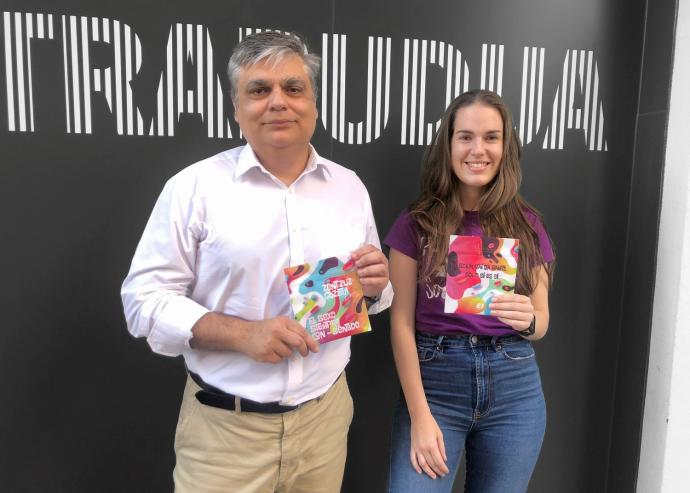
x: 478, y: 269
x: 327, y: 298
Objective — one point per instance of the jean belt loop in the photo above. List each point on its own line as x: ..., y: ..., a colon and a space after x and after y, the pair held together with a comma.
x: 494, y: 340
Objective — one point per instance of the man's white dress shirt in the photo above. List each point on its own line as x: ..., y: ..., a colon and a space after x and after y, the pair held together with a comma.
x: 218, y: 239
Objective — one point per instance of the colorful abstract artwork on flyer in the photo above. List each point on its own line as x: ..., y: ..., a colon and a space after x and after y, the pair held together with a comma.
x: 478, y: 269
x: 327, y: 298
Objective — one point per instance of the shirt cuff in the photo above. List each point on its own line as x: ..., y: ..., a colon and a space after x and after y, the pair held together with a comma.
x: 173, y: 329
x: 384, y: 301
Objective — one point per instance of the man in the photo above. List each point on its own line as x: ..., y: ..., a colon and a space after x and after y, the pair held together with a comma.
x: 265, y: 407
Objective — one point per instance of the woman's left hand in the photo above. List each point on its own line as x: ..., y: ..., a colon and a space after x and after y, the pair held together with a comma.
x: 515, y: 310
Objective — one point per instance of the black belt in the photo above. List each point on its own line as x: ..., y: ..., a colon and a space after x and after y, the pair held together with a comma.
x: 214, y: 397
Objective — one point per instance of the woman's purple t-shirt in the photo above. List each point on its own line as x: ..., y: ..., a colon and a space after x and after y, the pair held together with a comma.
x: 429, y: 314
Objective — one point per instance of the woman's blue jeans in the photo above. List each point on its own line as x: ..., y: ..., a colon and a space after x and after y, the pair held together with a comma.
x: 485, y: 394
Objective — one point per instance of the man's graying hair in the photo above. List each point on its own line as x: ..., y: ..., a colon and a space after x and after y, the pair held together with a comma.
x: 272, y: 46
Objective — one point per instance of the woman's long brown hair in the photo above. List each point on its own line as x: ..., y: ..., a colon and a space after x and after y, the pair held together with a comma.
x: 439, y: 210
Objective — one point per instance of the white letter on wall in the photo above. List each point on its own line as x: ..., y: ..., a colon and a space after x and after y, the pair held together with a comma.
x: 532, y: 91
x: 580, y: 73
x: 492, y: 58
x: 378, y: 90
x: 18, y: 66
x: 190, y: 43
x: 114, y: 83
x: 448, y: 58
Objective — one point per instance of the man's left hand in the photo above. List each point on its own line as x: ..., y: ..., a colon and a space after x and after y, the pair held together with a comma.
x: 372, y: 268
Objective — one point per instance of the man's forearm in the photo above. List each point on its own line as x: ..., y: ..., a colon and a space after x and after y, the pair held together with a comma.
x: 219, y: 332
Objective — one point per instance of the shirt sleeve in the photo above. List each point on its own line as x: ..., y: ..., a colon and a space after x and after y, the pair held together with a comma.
x: 372, y: 238
x: 544, y: 240
x: 404, y: 236
x: 155, y: 292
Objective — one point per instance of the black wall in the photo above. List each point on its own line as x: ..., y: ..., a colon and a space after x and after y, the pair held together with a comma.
x: 643, y: 229
x: 88, y: 408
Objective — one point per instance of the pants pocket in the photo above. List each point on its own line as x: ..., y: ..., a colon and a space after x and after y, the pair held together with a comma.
x: 187, y: 408
x: 518, y: 351
x: 426, y: 353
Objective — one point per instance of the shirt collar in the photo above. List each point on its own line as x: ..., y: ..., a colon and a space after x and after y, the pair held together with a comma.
x: 248, y: 160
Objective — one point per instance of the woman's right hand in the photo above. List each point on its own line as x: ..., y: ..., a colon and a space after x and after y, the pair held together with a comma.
x: 428, y: 453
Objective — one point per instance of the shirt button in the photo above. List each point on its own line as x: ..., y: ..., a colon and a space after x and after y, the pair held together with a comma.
x: 474, y: 339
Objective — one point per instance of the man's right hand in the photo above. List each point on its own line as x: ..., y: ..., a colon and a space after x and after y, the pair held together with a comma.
x: 271, y: 340
x: 266, y: 341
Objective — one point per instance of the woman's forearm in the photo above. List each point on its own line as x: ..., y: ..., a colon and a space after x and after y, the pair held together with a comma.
x: 407, y: 364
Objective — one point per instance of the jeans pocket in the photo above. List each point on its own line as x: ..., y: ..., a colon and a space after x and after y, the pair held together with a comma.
x: 519, y: 351
x: 426, y: 353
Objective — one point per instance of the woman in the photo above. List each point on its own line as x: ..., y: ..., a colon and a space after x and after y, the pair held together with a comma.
x: 470, y: 382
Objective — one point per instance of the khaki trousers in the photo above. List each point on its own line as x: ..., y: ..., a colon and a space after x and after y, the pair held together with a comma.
x: 301, y: 451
